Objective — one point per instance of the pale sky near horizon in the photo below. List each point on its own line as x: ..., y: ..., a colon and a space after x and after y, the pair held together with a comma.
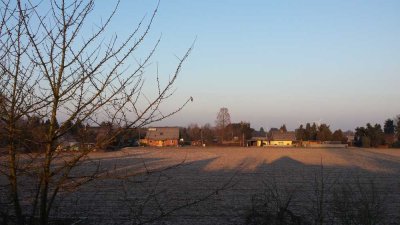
x: 277, y: 62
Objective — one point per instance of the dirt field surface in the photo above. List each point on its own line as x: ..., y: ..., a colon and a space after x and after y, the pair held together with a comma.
x: 217, y: 185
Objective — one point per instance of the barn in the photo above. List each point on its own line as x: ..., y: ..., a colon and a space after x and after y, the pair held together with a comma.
x: 162, y: 136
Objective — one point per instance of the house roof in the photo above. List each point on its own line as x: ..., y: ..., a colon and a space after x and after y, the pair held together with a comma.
x: 259, y: 139
x: 283, y: 136
x: 162, y: 133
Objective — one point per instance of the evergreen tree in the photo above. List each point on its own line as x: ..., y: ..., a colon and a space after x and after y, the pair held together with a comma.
x: 389, y: 127
x: 313, y: 132
x: 359, y: 136
x: 324, y: 133
x: 262, y: 131
x: 370, y: 136
x: 301, y: 133
x: 283, y: 128
x: 307, y: 132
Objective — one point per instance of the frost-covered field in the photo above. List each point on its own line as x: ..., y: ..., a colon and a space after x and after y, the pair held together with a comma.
x: 217, y: 185
x: 225, y: 180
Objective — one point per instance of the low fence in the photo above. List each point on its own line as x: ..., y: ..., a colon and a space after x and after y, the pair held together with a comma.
x: 326, y: 145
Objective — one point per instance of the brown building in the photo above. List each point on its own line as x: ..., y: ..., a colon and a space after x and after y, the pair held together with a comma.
x: 162, y: 136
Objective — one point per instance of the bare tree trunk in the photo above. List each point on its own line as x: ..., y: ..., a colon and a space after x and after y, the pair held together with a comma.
x: 13, y: 175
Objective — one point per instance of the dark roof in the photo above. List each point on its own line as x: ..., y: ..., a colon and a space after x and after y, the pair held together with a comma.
x: 162, y: 133
x: 283, y: 136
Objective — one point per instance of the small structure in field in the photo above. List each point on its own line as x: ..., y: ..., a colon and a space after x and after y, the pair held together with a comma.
x: 279, y: 138
x: 162, y: 136
x: 258, y: 141
x: 69, y: 143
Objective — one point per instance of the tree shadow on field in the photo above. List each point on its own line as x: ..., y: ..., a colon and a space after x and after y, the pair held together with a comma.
x: 297, y: 193
x: 168, y: 191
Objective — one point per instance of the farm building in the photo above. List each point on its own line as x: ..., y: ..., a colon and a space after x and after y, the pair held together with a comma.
x: 275, y: 138
x: 279, y: 138
x: 258, y: 141
x: 162, y: 136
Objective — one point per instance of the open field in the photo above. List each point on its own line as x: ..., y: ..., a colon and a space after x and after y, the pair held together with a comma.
x: 145, y: 182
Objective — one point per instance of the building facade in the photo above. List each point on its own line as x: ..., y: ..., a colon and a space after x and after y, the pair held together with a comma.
x: 162, y: 136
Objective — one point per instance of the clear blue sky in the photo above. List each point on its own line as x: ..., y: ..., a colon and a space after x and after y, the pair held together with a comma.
x: 275, y: 62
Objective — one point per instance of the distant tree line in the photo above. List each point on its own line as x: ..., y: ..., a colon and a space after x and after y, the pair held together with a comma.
x: 374, y: 136
x: 31, y: 133
x: 226, y: 132
x: 194, y: 132
x: 206, y: 134
x: 314, y: 132
x: 32, y: 129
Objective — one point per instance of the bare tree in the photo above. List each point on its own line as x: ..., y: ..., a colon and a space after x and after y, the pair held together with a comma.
x: 51, y: 69
x: 223, y: 120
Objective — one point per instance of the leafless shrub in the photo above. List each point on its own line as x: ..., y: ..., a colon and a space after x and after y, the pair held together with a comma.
x: 359, y: 203
x: 276, y: 206
x: 317, y: 200
x: 331, y: 200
